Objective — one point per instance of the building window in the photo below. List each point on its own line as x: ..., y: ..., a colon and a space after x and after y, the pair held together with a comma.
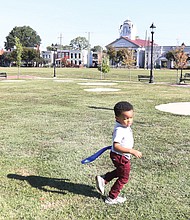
x: 71, y: 55
x: 79, y: 55
x: 75, y: 55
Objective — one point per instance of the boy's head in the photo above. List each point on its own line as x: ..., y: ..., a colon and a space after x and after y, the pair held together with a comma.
x: 124, y: 113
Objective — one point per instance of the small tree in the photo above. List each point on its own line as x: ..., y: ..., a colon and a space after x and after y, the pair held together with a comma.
x: 128, y: 60
x: 65, y: 62
x: 180, y: 59
x: 104, y: 67
x: 19, y: 50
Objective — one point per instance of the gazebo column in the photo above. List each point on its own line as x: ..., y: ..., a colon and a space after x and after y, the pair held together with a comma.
x: 137, y: 63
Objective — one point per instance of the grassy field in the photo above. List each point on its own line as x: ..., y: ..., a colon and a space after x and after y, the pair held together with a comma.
x: 49, y: 125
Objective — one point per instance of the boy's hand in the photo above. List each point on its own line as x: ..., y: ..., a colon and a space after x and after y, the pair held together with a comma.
x: 136, y: 153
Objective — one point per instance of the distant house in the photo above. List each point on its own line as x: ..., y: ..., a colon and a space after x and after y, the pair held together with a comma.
x: 142, y: 48
x: 74, y: 58
x: 48, y: 57
x: 138, y: 46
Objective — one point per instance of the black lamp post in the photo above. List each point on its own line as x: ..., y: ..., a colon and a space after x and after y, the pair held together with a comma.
x: 54, y: 48
x: 152, y: 27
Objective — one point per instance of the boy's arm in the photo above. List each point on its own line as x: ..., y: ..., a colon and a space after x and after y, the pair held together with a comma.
x: 121, y: 149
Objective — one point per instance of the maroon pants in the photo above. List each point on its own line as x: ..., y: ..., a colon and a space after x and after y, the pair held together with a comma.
x: 121, y: 172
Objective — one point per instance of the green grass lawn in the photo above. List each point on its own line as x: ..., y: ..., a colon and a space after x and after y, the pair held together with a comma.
x: 48, y: 126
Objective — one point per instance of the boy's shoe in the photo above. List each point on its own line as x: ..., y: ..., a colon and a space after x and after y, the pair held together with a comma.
x: 117, y: 200
x: 100, y: 184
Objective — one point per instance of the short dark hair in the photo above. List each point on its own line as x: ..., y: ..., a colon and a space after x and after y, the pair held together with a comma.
x: 122, y: 107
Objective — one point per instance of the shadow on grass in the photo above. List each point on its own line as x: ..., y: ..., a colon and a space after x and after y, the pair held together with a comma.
x: 103, y: 108
x: 60, y: 185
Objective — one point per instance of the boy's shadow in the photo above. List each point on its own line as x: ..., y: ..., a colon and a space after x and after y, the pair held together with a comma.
x: 60, y: 185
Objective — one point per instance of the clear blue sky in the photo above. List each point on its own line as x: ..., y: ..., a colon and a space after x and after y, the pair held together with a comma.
x: 102, y: 18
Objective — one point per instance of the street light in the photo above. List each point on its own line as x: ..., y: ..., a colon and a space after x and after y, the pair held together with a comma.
x: 54, y: 48
x: 152, y: 27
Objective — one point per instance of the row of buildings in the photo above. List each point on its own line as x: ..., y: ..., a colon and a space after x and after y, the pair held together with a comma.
x: 127, y: 39
x: 74, y: 58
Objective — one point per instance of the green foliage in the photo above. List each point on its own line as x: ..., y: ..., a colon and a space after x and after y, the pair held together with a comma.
x: 126, y: 57
x: 30, y: 55
x: 112, y: 53
x: 19, y: 50
x: 121, y: 56
x: 79, y: 43
x: 179, y: 56
x: 180, y: 59
x: 60, y: 47
x: 7, y: 58
x: 104, y: 66
x: 28, y: 37
x: 97, y: 49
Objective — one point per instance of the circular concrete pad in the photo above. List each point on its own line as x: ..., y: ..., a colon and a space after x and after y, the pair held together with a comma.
x: 97, y: 84
x: 178, y: 108
x: 102, y: 90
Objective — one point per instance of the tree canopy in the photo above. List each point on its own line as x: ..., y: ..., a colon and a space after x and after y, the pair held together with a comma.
x: 122, y: 56
x: 104, y: 65
x: 97, y: 48
x: 27, y: 36
x: 79, y: 43
x: 19, y: 50
x: 179, y: 56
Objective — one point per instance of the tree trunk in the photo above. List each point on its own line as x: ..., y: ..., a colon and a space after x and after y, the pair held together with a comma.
x: 181, y: 76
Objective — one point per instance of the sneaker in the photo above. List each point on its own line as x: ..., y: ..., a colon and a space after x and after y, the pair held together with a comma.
x: 117, y: 200
x: 100, y: 183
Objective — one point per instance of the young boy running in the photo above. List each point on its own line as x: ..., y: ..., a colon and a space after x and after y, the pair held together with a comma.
x: 120, y: 154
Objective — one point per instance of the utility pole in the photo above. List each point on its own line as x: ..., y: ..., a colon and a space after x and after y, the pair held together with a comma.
x: 60, y: 38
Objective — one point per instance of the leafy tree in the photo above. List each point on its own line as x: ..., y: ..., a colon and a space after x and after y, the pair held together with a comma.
x: 7, y: 58
x: 111, y: 51
x: 38, y: 59
x: 30, y: 55
x: 180, y: 58
x: 104, y: 67
x: 128, y: 58
x: 65, y: 62
x: 79, y: 43
x: 97, y: 49
x: 61, y: 47
x: 18, y: 50
x: 170, y: 55
x: 66, y: 47
x: 28, y: 37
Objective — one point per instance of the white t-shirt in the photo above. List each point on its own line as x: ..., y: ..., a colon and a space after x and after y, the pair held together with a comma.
x: 124, y: 136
